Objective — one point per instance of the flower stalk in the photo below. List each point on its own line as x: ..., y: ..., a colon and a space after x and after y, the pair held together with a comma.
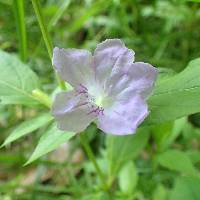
x: 90, y: 154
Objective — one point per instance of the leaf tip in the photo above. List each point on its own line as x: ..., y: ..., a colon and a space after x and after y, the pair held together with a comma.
x: 2, y: 145
x: 27, y: 163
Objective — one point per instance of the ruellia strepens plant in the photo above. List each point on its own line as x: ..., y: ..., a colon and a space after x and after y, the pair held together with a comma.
x: 103, y: 122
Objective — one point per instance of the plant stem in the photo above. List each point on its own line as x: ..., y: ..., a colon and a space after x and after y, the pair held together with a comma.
x: 18, y: 8
x: 46, y: 36
x: 43, y: 28
x: 88, y: 150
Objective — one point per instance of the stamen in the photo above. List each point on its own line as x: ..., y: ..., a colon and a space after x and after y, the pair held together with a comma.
x: 81, y: 89
x: 82, y: 86
x: 97, y: 111
x: 90, y: 101
x: 81, y: 104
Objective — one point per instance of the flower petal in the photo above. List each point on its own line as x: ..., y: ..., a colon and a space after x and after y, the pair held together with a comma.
x: 71, y: 112
x: 137, y: 78
x: 73, y: 65
x: 109, y: 57
x: 123, y: 118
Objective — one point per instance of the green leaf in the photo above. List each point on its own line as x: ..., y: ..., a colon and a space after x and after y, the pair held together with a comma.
x: 122, y: 149
x: 51, y: 139
x: 164, y: 134
x: 161, y: 132
x: 194, y: 156
x: 17, y: 81
x: 27, y: 127
x: 197, y: 1
x: 176, y: 96
x: 128, y: 178
x: 178, y: 161
x: 160, y: 193
x: 186, y: 188
x: 97, y: 196
x: 190, y: 132
x: 95, y: 8
x: 165, y: 73
x: 178, y: 127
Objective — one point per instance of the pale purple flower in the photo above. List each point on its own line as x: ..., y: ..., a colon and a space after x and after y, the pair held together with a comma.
x: 109, y: 88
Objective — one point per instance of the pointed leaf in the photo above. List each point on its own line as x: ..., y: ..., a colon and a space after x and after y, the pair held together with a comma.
x: 176, y: 96
x: 50, y: 141
x: 122, y: 149
x: 17, y: 81
x: 186, y: 188
x: 27, y: 127
x: 178, y: 161
x: 128, y: 178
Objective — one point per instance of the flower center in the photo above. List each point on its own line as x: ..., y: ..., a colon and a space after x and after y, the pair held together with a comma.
x: 103, y: 101
x: 99, y: 101
x: 95, y: 105
x: 96, y: 102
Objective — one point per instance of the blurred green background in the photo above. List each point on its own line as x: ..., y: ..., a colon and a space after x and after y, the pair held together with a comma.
x: 164, y: 33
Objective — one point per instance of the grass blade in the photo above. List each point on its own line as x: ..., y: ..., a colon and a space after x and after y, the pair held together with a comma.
x: 43, y: 28
x: 18, y: 7
x: 46, y: 36
x: 58, y: 14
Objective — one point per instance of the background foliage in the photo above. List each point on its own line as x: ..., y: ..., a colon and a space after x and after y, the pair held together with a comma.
x: 160, y: 162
